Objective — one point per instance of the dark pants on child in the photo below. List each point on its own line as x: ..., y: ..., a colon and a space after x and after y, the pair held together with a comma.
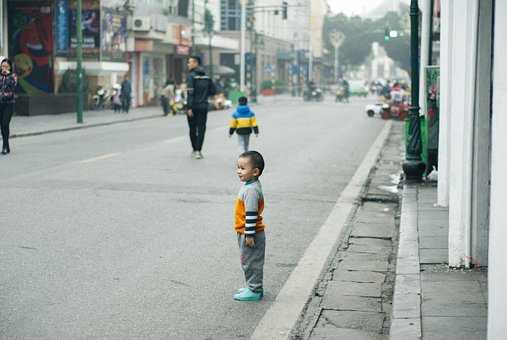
x: 252, y: 261
x: 197, y: 127
x: 6, y: 110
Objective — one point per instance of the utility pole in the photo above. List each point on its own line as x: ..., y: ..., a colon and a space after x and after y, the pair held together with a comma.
x: 242, y: 46
x: 310, y: 47
x: 79, y: 61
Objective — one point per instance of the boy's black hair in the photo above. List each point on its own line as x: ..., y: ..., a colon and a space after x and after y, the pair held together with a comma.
x: 255, y: 159
x: 243, y: 100
x: 196, y: 58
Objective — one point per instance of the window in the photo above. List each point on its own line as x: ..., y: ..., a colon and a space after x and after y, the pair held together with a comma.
x: 183, y: 8
x: 230, y: 15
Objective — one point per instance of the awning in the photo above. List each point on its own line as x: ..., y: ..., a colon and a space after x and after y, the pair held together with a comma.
x: 93, y: 68
x: 220, y: 70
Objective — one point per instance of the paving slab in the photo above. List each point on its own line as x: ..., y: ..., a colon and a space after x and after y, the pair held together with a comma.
x: 360, y: 261
x: 451, y: 308
x: 452, y: 291
x: 384, y: 231
x: 429, y: 256
x: 336, y: 333
x: 434, y: 242
x: 344, y: 288
x: 405, y: 329
x: 453, y: 276
x: 378, y: 207
x: 375, y: 218
x: 454, y: 328
x: 358, y: 276
x: 366, y: 321
x: 351, y: 303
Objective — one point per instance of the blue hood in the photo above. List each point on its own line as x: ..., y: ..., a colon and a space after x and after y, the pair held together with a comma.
x: 243, y: 109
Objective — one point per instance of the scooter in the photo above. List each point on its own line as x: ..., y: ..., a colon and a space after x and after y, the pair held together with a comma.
x: 101, y: 98
x: 313, y: 94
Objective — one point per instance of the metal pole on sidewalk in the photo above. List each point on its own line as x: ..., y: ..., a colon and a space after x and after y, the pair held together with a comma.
x: 242, y: 46
x: 413, y: 167
x: 79, y: 61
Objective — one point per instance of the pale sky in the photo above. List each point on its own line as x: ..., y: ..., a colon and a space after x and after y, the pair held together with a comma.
x: 350, y: 7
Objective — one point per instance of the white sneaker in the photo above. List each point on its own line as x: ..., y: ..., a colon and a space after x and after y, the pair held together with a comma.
x: 193, y: 155
x: 198, y: 155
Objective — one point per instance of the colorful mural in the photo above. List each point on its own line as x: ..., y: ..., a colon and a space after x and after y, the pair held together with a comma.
x: 30, y: 30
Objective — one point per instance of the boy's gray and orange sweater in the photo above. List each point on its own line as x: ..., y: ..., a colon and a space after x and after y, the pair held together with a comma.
x: 243, y: 121
x: 248, y: 208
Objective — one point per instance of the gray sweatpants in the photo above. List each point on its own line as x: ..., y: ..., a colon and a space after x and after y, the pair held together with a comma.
x: 252, y: 260
x: 243, y: 142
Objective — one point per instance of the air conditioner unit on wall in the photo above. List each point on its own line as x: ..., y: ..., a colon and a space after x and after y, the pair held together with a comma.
x: 141, y: 24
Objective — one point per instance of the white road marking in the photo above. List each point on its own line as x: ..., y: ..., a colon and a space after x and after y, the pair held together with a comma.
x: 99, y: 158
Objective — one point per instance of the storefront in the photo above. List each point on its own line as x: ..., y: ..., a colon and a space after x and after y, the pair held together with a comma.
x: 42, y: 43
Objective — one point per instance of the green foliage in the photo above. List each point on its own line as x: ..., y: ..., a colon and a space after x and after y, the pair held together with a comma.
x: 266, y: 84
x: 69, y: 82
x: 280, y: 86
x: 360, y: 33
x: 209, y: 21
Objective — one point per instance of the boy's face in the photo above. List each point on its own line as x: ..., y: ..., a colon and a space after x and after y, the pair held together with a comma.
x: 245, y: 170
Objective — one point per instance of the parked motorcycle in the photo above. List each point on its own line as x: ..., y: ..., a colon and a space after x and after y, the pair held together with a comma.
x: 101, y: 98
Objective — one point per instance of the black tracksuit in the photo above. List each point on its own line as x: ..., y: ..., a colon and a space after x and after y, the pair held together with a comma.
x: 199, y: 87
x: 8, y: 83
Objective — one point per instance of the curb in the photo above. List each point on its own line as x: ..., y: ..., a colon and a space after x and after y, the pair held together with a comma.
x: 406, y: 316
x: 284, y: 313
x: 71, y: 128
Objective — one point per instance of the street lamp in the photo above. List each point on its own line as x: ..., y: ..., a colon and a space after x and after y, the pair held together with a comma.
x: 79, y: 63
x: 413, y: 167
x: 337, y: 39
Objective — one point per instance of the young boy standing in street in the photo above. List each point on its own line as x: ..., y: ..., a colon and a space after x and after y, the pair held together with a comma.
x: 243, y: 122
x: 249, y: 225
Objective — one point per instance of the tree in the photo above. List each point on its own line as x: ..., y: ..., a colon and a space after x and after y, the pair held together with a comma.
x: 360, y: 33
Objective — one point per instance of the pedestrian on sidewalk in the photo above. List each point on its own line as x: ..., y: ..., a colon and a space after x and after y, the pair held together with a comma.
x: 167, y: 97
x: 249, y: 226
x: 126, y: 94
x: 243, y: 122
x: 199, y: 88
x: 8, y: 83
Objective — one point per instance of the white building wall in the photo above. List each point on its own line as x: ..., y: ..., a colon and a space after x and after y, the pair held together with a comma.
x: 464, y: 36
x: 445, y: 123
x: 497, y: 275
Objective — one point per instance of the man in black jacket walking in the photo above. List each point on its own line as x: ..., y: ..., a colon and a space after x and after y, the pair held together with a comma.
x: 199, y: 88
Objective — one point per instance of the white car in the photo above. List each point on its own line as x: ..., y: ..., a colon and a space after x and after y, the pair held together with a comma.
x: 376, y: 109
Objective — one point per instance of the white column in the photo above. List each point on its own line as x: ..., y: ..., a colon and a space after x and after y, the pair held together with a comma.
x: 446, y: 43
x: 497, y: 275
x: 425, y: 7
x: 462, y: 114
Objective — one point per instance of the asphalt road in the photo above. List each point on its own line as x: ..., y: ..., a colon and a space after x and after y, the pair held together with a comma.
x: 115, y: 233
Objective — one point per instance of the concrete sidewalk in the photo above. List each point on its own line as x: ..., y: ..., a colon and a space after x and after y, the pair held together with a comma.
x: 431, y: 300
x: 25, y: 126
x: 352, y: 300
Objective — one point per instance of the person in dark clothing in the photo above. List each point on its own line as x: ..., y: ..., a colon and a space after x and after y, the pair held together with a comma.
x: 199, y: 88
x: 126, y: 94
x: 8, y: 83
